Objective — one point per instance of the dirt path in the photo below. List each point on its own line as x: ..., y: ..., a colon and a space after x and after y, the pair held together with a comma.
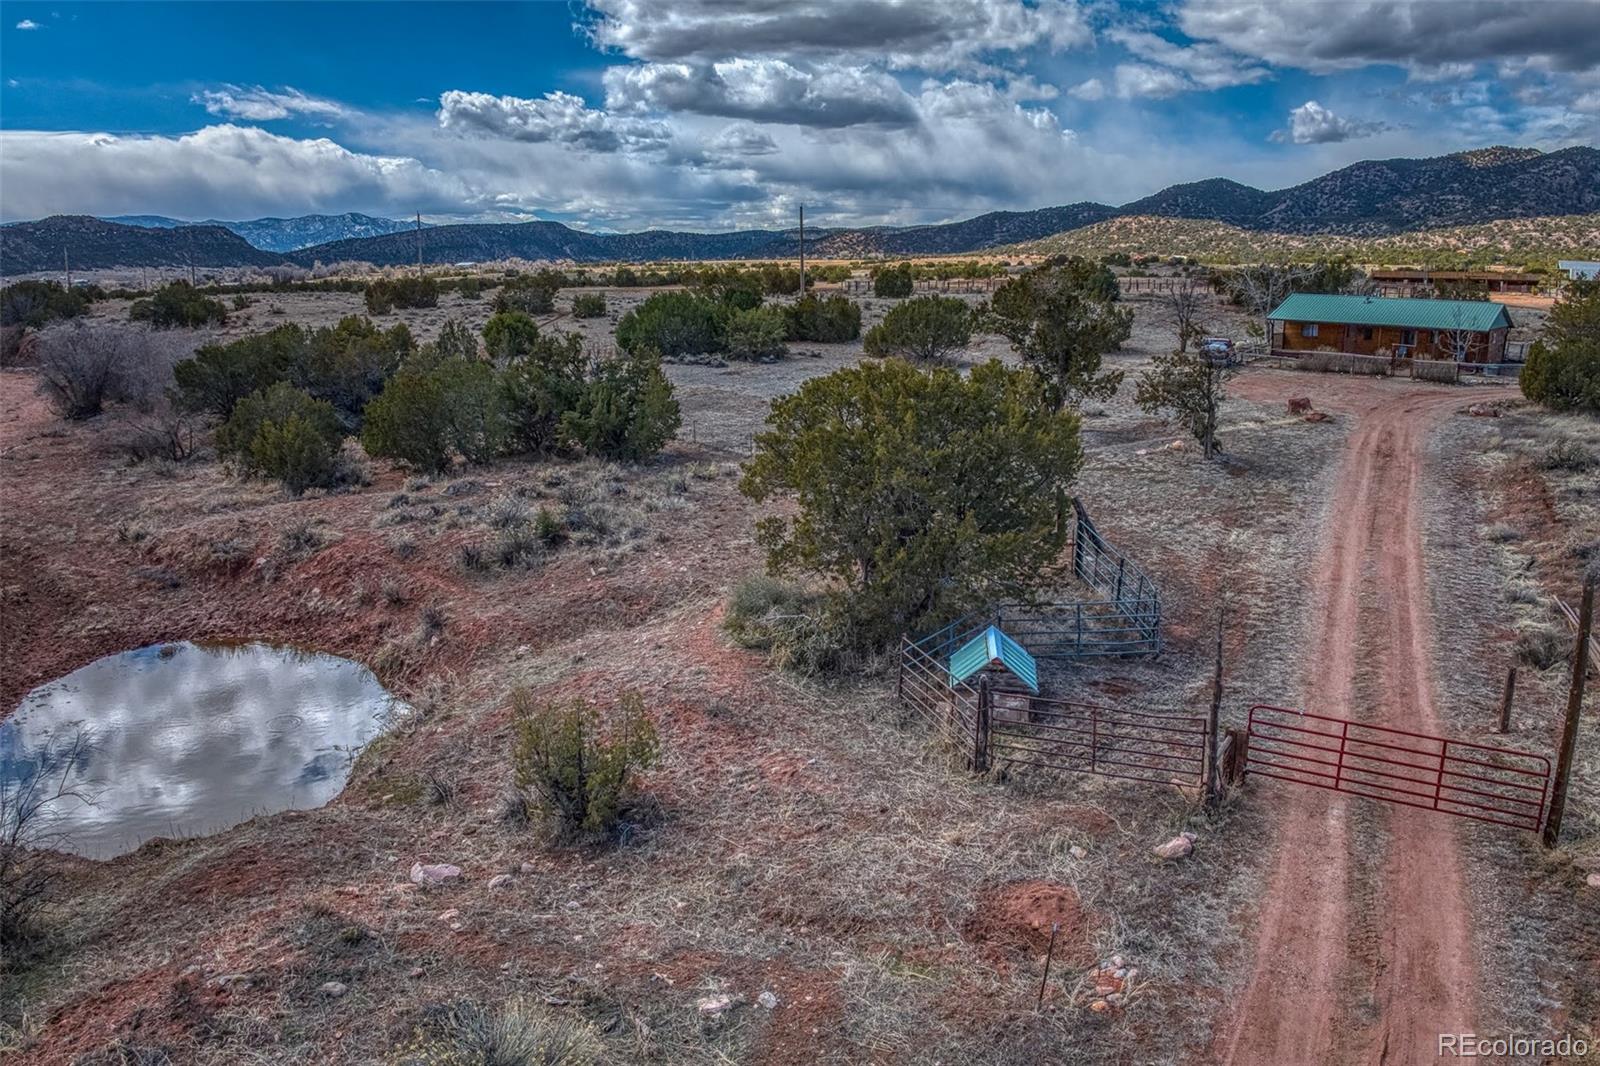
x: 1317, y: 994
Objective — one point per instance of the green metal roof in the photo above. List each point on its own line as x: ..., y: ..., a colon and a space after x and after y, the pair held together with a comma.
x: 1408, y: 312
x: 993, y: 646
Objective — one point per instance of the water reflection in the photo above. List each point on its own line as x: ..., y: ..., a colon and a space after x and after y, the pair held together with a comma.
x: 186, y: 738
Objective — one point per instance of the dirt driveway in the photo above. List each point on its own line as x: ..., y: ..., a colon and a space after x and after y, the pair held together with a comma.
x: 1364, y: 951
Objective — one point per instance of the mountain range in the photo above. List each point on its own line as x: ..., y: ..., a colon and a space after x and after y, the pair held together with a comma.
x: 284, y: 234
x: 1367, y: 199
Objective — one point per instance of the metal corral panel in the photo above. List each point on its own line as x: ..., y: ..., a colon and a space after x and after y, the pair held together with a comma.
x: 990, y: 647
x: 1394, y: 311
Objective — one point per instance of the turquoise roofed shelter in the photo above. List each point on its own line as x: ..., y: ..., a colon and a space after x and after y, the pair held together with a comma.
x: 993, y: 648
x: 1472, y: 331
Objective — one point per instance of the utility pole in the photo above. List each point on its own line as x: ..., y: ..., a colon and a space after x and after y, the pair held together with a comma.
x: 419, y: 244
x: 66, y: 267
x: 1569, y: 733
x: 189, y: 245
x: 802, y: 249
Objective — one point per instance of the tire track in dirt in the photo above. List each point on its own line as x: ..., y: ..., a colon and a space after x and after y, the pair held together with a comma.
x: 1421, y: 978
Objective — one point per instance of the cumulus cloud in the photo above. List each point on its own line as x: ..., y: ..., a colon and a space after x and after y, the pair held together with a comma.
x: 1424, y: 35
x: 263, y: 105
x: 223, y: 171
x: 1311, y: 123
x: 557, y: 116
x: 763, y: 90
x: 27, y: 24
x: 742, y: 139
x: 947, y: 35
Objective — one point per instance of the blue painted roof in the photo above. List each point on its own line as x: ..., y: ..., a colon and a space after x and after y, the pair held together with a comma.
x: 1403, y: 312
x: 989, y: 647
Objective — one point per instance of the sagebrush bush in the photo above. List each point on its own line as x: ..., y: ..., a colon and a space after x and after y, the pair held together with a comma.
x: 84, y: 367
x: 578, y: 770
x: 284, y: 434
x: 589, y: 305
x: 1568, y: 455
x: 1543, y: 646
x: 794, y: 625
x: 627, y: 410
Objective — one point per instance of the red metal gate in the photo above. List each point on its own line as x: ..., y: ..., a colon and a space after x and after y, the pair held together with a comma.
x: 1489, y: 784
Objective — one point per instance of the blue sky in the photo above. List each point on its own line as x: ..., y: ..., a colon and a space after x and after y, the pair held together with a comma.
x: 624, y: 114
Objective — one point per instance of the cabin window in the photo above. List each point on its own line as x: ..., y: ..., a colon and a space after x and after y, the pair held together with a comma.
x: 1408, y: 337
x: 1366, y: 333
x: 1308, y: 330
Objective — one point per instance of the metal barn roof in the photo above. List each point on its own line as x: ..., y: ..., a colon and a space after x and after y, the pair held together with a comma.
x: 989, y: 647
x: 1396, y: 311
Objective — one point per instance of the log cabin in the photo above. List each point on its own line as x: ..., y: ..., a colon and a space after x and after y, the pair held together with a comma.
x: 1472, y: 331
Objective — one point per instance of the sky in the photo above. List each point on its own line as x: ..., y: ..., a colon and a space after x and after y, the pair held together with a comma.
x: 717, y: 114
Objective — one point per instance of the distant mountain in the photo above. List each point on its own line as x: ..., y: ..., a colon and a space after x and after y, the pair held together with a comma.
x: 1368, y: 199
x: 92, y: 244
x: 286, y: 234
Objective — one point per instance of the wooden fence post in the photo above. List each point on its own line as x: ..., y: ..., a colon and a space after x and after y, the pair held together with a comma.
x: 980, y: 731
x: 1569, y: 733
x: 1505, y: 699
x: 1213, y: 778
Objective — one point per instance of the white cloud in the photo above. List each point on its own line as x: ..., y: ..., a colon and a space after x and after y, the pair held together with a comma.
x: 263, y: 105
x: 27, y: 24
x: 557, y: 116
x: 1093, y: 89
x: 742, y: 139
x: 1204, y: 65
x: 1141, y: 79
x: 938, y: 36
x: 763, y: 90
x: 1311, y: 123
x: 221, y: 171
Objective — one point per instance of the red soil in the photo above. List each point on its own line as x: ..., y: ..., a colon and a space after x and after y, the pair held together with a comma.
x: 1369, y: 584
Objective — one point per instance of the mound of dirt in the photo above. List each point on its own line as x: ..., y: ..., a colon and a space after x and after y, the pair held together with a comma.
x: 1018, y: 916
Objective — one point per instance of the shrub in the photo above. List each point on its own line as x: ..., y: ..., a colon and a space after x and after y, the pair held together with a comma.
x: 386, y: 294
x: 893, y: 469
x: 519, y: 1033
x: 1564, y: 378
x: 892, y: 282
x: 456, y: 341
x: 1568, y: 455
x: 534, y: 294
x: 927, y: 327
x: 34, y: 304
x: 673, y: 324
x: 543, y: 381
x: 627, y: 410
x: 825, y: 321
x: 35, y: 789
x: 793, y: 625
x: 424, y: 416
x: 576, y: 771
x: 218, y: 376
x: 757, y: 334
x: 1542, y: 647
x: 84, y: 367
x: 510, y: 335
x: 589, y: 305
x: 285, y: 434
x: 735, y: 289
x: 348, y: 364
x: 179, y: 305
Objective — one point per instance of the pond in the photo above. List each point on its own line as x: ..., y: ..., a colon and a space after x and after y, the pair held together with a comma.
x: 185, y: 739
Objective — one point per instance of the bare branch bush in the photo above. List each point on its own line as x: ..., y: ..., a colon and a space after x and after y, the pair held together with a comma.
x: 29, y: 805
x: 84, y: 367
x: 1185, y: 308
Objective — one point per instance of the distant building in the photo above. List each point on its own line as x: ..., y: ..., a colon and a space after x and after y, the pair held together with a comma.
x: 1472, y: 331
x: 1580, y: 269
x: 1411, y: 281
